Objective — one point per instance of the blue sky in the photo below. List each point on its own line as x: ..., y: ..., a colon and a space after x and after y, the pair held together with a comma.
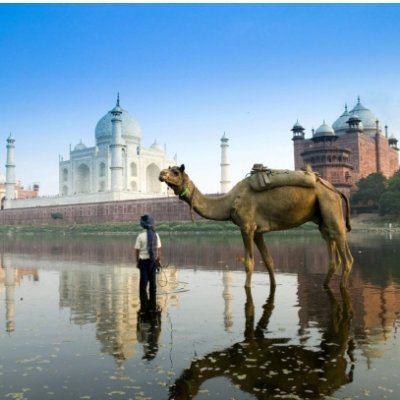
x: 188, y: 73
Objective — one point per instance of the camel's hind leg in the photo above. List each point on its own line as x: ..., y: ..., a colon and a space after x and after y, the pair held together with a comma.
x: 333, y: 230
x: 247, y: 236
x: 346, y: 258
x: 339, y: 253
x: 333, y: 256
x: 266, y: 257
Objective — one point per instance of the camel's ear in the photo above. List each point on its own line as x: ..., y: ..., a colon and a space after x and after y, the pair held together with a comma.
x: 182, y: 168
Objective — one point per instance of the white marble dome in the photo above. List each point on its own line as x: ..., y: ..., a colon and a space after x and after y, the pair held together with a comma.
x: 156, y: 146
x: 80, y: 146
x: 130, y: 129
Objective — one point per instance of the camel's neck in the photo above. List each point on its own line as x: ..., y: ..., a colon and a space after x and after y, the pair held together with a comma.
x: 215, y: 208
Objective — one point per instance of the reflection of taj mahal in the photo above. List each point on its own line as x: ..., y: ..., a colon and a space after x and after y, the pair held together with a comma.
x: 116, y: 163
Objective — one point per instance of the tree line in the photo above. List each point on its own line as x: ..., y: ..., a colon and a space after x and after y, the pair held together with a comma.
x: 377, y: 193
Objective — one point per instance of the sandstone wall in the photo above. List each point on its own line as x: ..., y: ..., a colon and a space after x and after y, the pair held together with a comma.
x: 163, y: 209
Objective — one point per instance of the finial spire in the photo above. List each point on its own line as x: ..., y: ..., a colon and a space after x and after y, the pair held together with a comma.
x: 118, y: 99
x: 358, y: 100
x: 345, y: 108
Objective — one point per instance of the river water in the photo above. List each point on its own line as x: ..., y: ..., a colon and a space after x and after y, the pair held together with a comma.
x: 70, y: 326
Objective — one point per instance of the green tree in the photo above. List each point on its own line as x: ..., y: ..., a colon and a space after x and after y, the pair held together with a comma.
x: 393, y: 183
x: 369, y: 190
x: 389, y: 201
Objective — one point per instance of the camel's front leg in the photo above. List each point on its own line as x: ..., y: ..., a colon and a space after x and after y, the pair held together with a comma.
x: 266, y: 257
x: 248, y: 235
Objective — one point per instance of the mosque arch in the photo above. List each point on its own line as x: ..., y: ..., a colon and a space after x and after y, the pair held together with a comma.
x: 64, y: 191
x: 133, y: 186
x: 152, y: 181
x: 83, y: 179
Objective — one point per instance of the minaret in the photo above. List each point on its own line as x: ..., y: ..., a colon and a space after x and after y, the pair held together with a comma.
x: 10, y: 173
x: 116, y: 149
x: 225, y: 166
x: 298, y: 144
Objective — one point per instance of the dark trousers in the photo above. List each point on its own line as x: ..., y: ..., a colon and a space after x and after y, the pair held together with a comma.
x: 148, y: 272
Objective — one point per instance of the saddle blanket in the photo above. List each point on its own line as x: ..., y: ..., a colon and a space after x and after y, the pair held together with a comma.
x: 262, y: 178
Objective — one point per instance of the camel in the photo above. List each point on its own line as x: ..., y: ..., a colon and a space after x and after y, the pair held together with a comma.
x: 280, y: 208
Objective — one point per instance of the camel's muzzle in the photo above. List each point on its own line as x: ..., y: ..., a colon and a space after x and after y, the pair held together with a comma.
x: 162, y: 177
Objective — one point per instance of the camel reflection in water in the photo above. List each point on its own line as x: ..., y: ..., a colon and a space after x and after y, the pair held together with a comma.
x: 269, y: 367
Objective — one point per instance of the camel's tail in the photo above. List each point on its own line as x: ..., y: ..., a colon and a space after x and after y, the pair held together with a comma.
x: 343, y: 196
x: 346, y: 200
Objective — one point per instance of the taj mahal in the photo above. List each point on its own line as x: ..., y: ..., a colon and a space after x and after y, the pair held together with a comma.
x: 116, y: 168
x: 117, y: 162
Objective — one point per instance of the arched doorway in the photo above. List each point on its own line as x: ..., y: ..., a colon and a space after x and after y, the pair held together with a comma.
x: 82, y: 183
x: 153, y: 184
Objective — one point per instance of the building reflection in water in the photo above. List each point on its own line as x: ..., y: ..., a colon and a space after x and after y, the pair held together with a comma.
x: 10, y: 278
x: 228, y: 297
x: 99, y: 285
x: 109, y: 297
x: 104, y: 295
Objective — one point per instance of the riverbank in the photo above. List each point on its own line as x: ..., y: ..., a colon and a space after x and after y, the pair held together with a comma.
x: 362, y: 222
x: 375, y: 222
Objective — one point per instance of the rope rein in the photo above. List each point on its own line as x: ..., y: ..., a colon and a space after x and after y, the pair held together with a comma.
x: 184, y: 194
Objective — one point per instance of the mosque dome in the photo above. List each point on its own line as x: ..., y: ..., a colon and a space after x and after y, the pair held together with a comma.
x: 130, y: 129
x: 341, y: 123
x: 367, y: 117
x: 324, y: 130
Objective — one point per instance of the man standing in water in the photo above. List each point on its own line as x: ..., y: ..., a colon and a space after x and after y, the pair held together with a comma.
x: 148, y: 254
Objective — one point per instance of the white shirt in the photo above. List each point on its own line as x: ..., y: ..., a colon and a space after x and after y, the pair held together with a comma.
x: 141, y: 245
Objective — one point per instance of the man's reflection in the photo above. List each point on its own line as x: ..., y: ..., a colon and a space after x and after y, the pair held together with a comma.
x: 268, y: 367
x: 149, y: 325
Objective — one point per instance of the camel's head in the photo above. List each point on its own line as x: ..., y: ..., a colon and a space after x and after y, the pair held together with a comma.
x: 176, y: 178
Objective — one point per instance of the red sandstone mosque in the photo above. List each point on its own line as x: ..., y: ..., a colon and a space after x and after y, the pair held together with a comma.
x: 352, y: 148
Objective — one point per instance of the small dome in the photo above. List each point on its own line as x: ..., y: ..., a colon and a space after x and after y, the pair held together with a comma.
x: 156, y: 146
x: 80, y: 146
x: 297, y: 126
x: 355, y: 118
x: 324, y: 130
x: 129, y: 126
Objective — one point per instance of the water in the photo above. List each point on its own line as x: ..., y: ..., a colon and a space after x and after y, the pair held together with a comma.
x: 70, y: 329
